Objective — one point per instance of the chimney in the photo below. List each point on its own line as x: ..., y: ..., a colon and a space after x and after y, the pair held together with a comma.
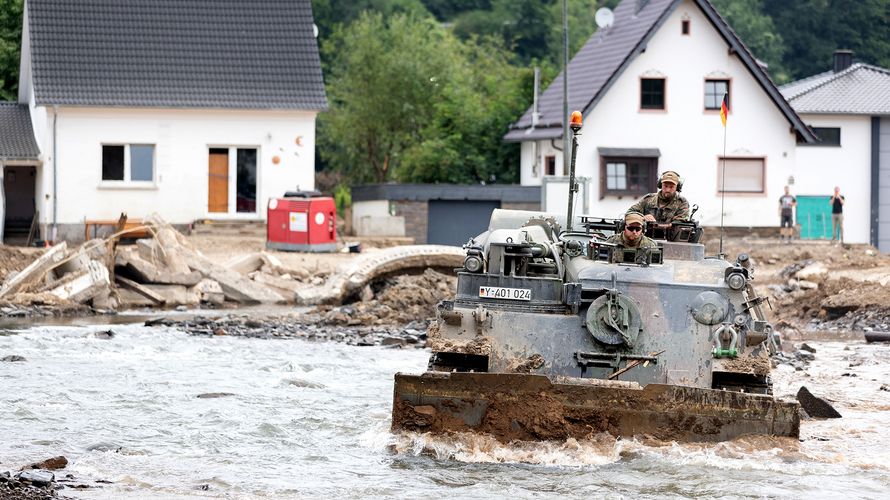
x: 843, y: 59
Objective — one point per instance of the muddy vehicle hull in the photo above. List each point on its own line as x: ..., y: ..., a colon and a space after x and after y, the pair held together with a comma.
x: 532, y: 407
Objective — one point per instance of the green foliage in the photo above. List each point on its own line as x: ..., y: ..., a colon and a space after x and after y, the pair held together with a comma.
x: 758, y: 31
x: 329, y: 14
x: 10, y: 40
x: 814, y: 29
x: 410, y: 102
x: 342, y: 198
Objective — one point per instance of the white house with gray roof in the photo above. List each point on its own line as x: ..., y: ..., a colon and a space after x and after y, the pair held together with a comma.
x: 650, y: 87
x: 192, y: 109
x: 848, y: 107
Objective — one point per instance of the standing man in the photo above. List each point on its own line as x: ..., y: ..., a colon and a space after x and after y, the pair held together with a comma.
x: 631, y: 238
x: 666, y: 205
x: 837, y: 215
x: 787, y: 203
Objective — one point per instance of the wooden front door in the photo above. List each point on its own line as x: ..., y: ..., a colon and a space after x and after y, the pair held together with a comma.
x: 218, y: 181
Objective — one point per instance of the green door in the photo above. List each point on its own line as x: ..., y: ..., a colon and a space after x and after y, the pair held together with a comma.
x: 814, y: 217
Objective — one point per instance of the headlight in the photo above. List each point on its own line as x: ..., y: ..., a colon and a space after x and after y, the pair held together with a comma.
x: 709, y: 308
x: 736, y: 281
x: 473, y: 264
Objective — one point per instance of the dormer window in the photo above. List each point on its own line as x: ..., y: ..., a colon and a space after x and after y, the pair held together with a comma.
x: 652, y: 93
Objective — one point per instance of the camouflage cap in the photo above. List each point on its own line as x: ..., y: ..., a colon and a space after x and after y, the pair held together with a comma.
x: 670, y: 176
x: 633, y: 218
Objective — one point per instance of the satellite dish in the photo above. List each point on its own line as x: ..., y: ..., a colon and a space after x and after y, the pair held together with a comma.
x: 604, y: 17
x: 314, y: 30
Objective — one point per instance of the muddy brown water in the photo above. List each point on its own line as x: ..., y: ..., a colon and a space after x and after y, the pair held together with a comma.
x: 311, y: 420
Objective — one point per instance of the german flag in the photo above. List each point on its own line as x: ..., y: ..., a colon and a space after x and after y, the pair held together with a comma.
x: 724, y: 108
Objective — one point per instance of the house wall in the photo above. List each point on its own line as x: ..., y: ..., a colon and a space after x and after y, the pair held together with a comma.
x: 182, y: 139
x: 820, y: 168
x: 689, y: 138
x: 531, y: 174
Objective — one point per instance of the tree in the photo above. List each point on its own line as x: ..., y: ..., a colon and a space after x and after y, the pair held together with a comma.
x: 10, y: 45
x: 758, y: 31
x: 814, y: 29
x: 410, y: 102
x: 384, y: 79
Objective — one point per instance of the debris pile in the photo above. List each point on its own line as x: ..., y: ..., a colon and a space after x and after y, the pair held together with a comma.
x: 166, y: 271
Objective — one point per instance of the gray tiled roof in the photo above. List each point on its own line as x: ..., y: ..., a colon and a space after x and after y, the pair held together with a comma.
x: 248, y: 54
x: 16, y: 135
x: 609, y: 51
x: 860, y: 89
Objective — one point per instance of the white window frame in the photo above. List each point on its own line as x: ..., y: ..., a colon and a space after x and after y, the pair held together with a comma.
x: 127, y: 181
x: 233, y: 212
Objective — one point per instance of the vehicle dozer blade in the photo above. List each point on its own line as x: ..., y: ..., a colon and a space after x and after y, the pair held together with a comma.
x: 532, y: 407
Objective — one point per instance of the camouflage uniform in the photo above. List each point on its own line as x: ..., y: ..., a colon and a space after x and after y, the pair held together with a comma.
x: 618, y: 239
x: 677, y: 209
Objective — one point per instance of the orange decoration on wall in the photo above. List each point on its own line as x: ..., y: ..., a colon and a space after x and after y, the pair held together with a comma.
x: 276, y: 160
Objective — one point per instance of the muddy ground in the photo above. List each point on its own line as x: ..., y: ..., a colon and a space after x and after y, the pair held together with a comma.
x: 811, y: 286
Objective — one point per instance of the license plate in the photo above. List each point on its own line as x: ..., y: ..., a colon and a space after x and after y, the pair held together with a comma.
x: 496, y: 292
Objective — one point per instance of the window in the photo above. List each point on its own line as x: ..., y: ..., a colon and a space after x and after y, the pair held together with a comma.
x: 627, y: 176
x: 549, y: 165
x: 652, y: 93
x: 829, y: 136
x: 131, y: 162
x: 743, y: 175
x: 714, y: 90
x: 684, y: 26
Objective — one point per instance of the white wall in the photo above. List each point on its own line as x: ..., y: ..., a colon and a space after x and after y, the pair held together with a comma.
x: 531, y: 174
x: 182, y: 139
x: 820, y: 168
x: 689, y: 138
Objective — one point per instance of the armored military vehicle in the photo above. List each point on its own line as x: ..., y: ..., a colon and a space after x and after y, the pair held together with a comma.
x: 556, y: 333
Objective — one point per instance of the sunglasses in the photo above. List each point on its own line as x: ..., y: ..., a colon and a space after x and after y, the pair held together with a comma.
x: 634, y: 229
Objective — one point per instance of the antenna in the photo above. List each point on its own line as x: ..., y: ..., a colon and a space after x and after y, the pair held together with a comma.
x: 604, y: 17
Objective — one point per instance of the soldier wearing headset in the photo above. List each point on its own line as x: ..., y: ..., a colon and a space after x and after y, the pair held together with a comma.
x: 667, y: 205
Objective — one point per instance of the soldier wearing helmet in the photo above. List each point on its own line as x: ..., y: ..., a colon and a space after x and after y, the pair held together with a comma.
x: 631, y: 237
x: 667, y: 205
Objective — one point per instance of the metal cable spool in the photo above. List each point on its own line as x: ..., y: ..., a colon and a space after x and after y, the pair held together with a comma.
x: 614, y: 319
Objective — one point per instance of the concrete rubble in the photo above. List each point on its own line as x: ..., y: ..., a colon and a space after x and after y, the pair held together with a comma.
x: 166, y: 271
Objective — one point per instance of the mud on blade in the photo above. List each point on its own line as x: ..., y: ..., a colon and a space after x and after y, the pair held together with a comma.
x: 531, y: 407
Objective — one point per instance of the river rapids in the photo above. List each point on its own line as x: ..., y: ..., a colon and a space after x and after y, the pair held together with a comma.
x: 157, y: 413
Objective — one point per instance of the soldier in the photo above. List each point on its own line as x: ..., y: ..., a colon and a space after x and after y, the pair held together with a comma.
x: 631, y: 237
x: 666, y: 205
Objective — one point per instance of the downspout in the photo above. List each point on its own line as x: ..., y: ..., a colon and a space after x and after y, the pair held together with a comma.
x: 55, y: 176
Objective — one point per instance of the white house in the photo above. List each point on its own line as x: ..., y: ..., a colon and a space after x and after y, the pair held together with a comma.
x: 190, y: 109
x: 848, y: 107
x: 650, y: 88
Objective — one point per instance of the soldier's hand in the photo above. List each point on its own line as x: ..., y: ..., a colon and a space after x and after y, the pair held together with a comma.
x: 649, y: 218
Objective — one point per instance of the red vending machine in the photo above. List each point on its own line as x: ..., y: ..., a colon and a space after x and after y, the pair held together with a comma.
x: 302, y: 222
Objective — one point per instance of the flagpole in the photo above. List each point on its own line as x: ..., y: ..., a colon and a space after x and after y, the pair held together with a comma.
x: 724, y: 111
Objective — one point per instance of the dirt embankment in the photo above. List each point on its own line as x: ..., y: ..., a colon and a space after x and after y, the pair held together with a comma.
x: 14, y: 259
x: 819, y: 286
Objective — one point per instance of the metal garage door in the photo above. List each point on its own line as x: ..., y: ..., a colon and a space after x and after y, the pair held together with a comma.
x: 455, y: 222
x: 884, y: 187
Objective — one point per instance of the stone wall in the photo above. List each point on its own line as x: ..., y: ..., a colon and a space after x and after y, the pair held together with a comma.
x: 416, y: 214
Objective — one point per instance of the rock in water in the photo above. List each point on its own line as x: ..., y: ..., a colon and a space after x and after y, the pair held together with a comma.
x: 814, y: 406
x: 54, y: 463
x: 37, y: 477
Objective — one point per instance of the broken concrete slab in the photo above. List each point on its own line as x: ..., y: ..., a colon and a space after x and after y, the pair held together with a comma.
x: 277, y: 282
x: 129, y: 299
x: 235, y: 286
x: 365, y: 269
x: 35, y: 271
x: 246, y: 264
x: 146, y: 292
x: 814, y: 406
x: 208, y: 292
x: 146, y: 272
x: 175, y: 295
x: 85, y: 284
